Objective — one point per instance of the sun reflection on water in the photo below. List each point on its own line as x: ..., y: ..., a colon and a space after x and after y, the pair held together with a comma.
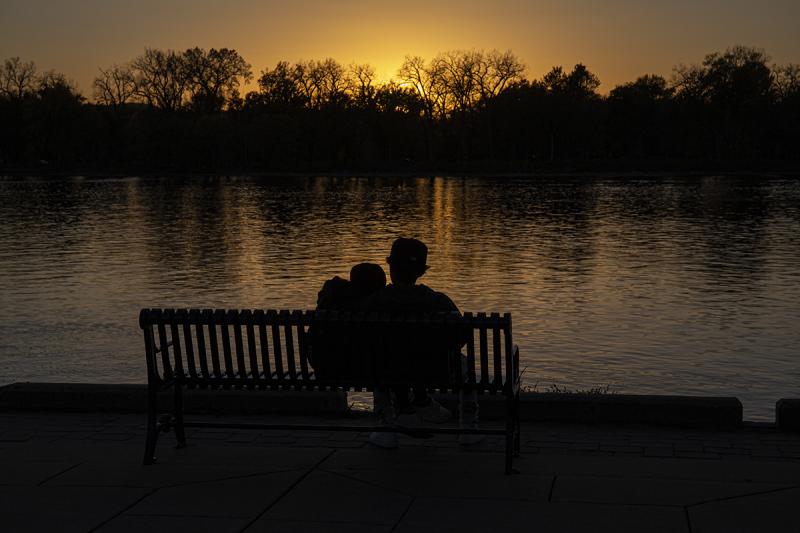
x: 673, y: 285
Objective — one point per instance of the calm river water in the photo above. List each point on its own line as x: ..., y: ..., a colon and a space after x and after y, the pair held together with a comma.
x: 651, y: 285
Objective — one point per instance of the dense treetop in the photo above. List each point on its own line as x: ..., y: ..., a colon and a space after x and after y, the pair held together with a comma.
x: 185, y: 110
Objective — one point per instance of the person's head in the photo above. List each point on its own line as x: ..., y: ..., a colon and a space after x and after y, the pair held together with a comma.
x: 407, y: 260
x: 366, y: 278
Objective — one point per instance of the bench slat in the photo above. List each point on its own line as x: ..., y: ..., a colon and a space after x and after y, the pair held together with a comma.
x: 260, y: 319
x: 247, y: 318
x: 149, y: 348
x: 224, y: 333
x: 484, y: 348
x: 164, y: 349
x: 288, y: 344
x: 302, y: 346
x: 183, y: 318
x: 214, y: 341
x: 277, y: 353
x: 470, y: 347
x: 176, y: 344
x: 511, y: 370
x: 236, y: 322
x: 498, y: 356
x: 201, y: 342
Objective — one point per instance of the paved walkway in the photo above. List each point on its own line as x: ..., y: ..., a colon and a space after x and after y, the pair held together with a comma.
x: 82, y: 472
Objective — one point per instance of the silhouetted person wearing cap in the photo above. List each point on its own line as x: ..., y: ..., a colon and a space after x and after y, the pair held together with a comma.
x: 407, y: 263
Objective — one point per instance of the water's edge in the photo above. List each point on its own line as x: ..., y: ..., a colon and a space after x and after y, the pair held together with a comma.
x: 660, y: 410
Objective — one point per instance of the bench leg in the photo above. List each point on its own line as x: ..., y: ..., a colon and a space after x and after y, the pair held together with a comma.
x: 180, y: 433
x: 509, y: 433
x: 152, y: 426
x: 516, y: 425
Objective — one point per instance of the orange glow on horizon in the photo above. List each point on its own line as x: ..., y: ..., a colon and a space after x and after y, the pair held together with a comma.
x: 618, y: 40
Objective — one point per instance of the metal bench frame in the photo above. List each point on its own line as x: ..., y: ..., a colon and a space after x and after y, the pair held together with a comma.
x: 269, y: 349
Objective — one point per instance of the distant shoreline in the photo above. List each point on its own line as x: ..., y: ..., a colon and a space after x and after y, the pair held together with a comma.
x: 622, y: 172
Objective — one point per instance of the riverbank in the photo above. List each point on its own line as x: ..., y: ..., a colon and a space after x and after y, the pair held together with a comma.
x: 653, y: 410
x: 547, y: 171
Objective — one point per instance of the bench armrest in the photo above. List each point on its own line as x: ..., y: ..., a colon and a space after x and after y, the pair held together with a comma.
x: 515, y: 386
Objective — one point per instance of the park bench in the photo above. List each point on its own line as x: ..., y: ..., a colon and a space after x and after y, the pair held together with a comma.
x: 326, y: 351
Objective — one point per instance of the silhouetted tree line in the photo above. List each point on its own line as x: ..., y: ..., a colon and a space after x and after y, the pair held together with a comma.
x: 184, y: 111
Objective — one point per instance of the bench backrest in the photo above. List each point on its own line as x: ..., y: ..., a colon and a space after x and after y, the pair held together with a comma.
x: 327, y: 349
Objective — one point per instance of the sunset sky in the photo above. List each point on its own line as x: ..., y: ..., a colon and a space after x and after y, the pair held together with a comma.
x: 618, y: 39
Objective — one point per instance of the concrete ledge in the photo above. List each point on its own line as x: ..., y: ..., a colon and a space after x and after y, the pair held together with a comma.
x: 80, y: 397
x: 787, y: 414
x: 684, y: 411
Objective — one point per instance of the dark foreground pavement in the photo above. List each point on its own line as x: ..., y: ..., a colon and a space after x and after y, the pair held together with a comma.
x: 83, y: 472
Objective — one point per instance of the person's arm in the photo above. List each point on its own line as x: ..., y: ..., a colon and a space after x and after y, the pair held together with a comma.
x: 446, y: 304
x: 443, y: 303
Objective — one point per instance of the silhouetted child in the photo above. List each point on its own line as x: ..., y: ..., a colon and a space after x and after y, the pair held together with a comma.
x: 339, y: 294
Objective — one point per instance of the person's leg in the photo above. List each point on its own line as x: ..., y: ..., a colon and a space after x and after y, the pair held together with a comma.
x: 383, y: 406
x: 421, y: 397
x: 387, y: 415
x: 468, y: 410
x: 468, y: 407
x: 402, y: 400
x: 428, y: 409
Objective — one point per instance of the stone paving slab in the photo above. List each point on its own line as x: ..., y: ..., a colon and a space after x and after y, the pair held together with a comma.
x: 31, y: 473
x: 171, y: 524
x: 303, y: 526
x: 235, y: 497
x: 62, y: 472
x: 418, y: 459
x: 775, y: 512
x: 471, y: 484
x: 734, y: 470
x: 45, y: 508
x: 327, y: 497
x: 647, y: 491
x: 75, y: 451
x: 190, y: 469
x: 455, y: 515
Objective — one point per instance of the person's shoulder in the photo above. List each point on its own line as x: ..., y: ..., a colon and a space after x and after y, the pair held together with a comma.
x: 409, y: 298
x: 384, y: 294
x: 395, y: 298
x: 425, y: 292
x: 336, y: 280
x: 438, y: 300
x: 335, y: 284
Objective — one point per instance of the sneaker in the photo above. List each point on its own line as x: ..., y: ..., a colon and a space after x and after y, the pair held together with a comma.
x: 433, y: 412
x: 408, y: 423
x: 383, y: 439
x: 407, y: 418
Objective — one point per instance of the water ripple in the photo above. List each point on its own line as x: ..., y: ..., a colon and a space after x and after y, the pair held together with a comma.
x: 671, y: 285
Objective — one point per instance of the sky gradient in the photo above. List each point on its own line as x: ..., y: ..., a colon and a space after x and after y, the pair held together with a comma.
x: 618, y: 39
